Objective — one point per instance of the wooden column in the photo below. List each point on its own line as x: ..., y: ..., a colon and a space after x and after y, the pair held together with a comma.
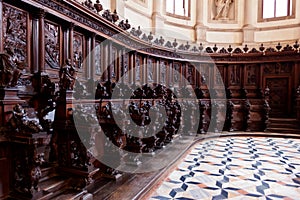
x: 41, y: 15
x: 65, y: 44
x: 109, y: 60
x: 35, y: 43
x: 1, y: 26
x: 92, y: 54
x: 70, y: 45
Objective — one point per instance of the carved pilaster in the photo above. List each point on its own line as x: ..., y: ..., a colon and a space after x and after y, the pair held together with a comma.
x: 70, y: 45
x: 298, y: 103
x: 41, y: 39
x: 1, y: 26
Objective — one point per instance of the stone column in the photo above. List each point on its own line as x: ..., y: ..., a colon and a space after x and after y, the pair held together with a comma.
x: 157, y: 18
x: 250, y: 17
x: 199, y: 28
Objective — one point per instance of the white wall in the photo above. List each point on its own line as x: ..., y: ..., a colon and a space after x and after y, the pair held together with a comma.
x: 242, y: 27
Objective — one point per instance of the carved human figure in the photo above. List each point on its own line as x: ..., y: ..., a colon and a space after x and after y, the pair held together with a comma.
x: 222, y: 7
x: 67, y: 76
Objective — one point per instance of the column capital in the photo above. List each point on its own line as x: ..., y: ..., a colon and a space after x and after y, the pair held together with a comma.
x: 39, y: 13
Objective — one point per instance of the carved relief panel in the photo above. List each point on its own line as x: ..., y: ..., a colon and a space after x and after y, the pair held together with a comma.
x: 97, y: 58
x: 138, y: 63
x: 190, y: 74
x: 277, y: 68
x: 78, y: 47
x: 113, y: 68
x: 52, y: 45
x: 150, y: 70
x: 124, y: 68
x: 223, y: 10
x: 234, y: 75
x: 176, y: 73
x: 15, y: 42
x: 219, y: 76
x: 204, y: 74
x: 163, y: 72
x: 251, y: 75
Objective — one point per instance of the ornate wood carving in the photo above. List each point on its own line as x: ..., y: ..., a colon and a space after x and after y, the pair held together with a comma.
x: 97, y: 58
x: 251, y: 75
x: 15, y: 33
x: 52, y: 45
x: 78, y: 40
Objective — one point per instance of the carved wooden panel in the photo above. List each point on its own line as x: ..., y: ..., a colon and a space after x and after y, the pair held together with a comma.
x: 138, y: 64
x: 204, y: 73
x: 219, y: 75
x: 251, y: 74
x: 176, y: 73
x: 277, y: 68
x: 163, y: 72
x: 113, y: 68
x: 125, y: 67
x: 279, y: 95
x: 150, y: 70
x: 234, y: 75
x: 78, y: 47
x: 191, y: 74
x: 52, y: 45
x: 15, y: 33
x: 97, y: 58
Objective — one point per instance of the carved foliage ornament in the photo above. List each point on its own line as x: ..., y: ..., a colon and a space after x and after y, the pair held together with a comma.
x: 15, y: 33
x: 52, y: 45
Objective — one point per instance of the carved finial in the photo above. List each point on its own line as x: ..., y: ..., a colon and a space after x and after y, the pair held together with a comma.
x: 262, y: 48
x: 115, y: 16
x: 98, y: 6
x: 296, y: 45
x: 215, y: 48
x: 246, y: 48
x: 161, y: 40
x: 278, y: 46
x: 200, y: 47
x: 150, y: 36
x: 187, y: 46
x: 230, y: 49
x: 175, y: 43
x: 139, y: 31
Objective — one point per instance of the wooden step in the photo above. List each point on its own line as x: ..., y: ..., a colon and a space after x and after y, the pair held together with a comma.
x: 284, y: 130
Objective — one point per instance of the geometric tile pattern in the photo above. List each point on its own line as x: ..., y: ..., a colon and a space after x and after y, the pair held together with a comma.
x: 236, y: 168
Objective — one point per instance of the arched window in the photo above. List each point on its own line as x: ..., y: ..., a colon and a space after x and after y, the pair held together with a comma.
x: 277, y: 8
x: 180, y: 8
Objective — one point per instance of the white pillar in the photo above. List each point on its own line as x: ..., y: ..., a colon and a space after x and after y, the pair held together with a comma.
x: 250, y: 17
x: 157, y: 18
x: 200, y: 29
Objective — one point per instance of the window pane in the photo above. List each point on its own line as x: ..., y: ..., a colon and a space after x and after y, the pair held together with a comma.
x: 170, y: 6
x: 179, y: 7
x: 281, y: 8
x: 186, y: 8
x: 268, y: 8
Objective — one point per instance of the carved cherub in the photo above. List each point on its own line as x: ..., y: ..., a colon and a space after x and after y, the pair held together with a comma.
x: 67, y: 75
x: 9, y: 71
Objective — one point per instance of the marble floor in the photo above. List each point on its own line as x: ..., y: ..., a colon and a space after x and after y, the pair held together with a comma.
x: 235, y: 168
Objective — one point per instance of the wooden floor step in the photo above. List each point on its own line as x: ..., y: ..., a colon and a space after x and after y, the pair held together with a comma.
x: 52, y: 184
x: 284, y: 130
x: 282, y: 125
x: 70, y: 194
x: 283, y: 120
